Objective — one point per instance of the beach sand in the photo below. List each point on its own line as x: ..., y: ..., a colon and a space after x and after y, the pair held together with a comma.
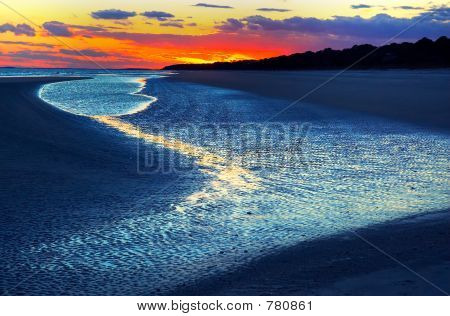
x: 57, y: 170
x: 403, y: 257
x: 345, y: 264
x: 420, y: 97
x: 61, y: 174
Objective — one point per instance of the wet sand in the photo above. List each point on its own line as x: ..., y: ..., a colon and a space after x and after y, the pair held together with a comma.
x: 61, y: 172
x: 403, y: 257
x: 420, y: 97
x: 416, y: 249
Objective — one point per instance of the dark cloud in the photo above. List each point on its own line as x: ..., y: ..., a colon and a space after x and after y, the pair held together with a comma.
x: 159, y: 15
x: 83, y: 52
x: 34, y: 55
x: 192, y: 24
x: 361, y: 6
x: 87, y: 27
x: 56, y: 59
x: 231, y: 25
x: 27, y: 44
x: 407, y: 7
x: 57, y: 28
x: 113, y: 14
x: 172, y: 24
x: 430, y: 24
x: 207, y: 5
x: 273, y: 10
x: 19, y: 29
x: 438, y: 14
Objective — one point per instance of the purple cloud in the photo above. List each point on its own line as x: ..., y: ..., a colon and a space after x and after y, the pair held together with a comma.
x: 27, y: 44
x: 438, y: 14
x: 113, y: 14
x: 159, y: 15
x: 19, y: 29
x: 361, y: 6
x: 273, y: 10
x: 207, y: 5
x: 58, y: 60
x: 231, y: 25
x: 83, y: 52
x: 87, y: 27
x: 408, y: 7
x: 172, y: 24
x: 34, y: 55
x: 430, y: 24
x: 56, y: 28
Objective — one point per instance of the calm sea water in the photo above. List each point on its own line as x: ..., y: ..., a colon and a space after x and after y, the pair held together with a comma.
x: 309, y: 173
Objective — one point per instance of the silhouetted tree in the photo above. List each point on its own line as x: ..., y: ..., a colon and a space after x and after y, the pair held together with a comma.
x: 423, y: 54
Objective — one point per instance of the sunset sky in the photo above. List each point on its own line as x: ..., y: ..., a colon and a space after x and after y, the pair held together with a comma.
x: 155, y: 33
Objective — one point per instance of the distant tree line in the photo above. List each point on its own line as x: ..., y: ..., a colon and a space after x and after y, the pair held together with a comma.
x: 425, y: 53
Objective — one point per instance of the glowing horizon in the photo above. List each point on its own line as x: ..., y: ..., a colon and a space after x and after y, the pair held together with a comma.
x: 114, y: 34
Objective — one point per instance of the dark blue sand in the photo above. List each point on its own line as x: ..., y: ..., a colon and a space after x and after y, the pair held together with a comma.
x: 78, y: 217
